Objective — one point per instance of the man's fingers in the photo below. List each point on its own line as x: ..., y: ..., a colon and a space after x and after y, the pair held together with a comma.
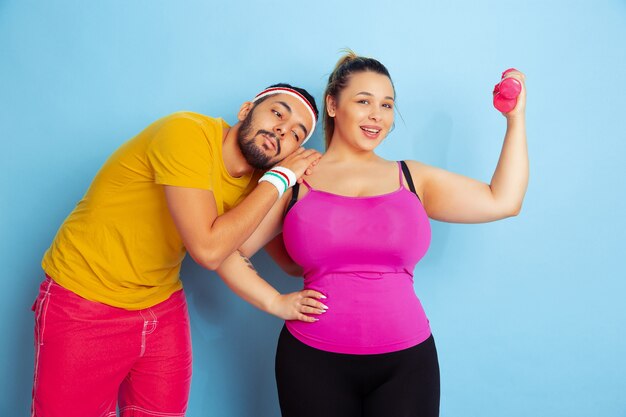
x: 311, y: 154
x: 307, y: 319
x: 312, y: 294
x: 310, y: 302
x: 311, y: 310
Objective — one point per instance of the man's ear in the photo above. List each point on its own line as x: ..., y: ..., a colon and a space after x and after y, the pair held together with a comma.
x: 331, y: 105
x: 244, y: 110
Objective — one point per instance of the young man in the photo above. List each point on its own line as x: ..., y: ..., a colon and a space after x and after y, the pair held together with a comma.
x: 111, y: 322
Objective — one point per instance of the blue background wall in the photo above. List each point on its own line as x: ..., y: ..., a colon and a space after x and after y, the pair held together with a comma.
x: 528, y: 312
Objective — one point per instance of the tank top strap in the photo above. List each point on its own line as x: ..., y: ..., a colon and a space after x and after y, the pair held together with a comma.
x: 307, y: 184
x: 295, y: 192
x: 400, y: 173
x: 409, y: 180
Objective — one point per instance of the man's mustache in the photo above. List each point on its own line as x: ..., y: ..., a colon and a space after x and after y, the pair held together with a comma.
x: 272, y: 135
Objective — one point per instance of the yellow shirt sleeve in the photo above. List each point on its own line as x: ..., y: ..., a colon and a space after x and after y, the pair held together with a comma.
x: 181, y: 154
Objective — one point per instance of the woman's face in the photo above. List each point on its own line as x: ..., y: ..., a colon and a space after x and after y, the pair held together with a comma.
x: 364, y: 110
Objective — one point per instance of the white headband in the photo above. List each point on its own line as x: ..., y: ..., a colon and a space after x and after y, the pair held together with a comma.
x: 293, y: 93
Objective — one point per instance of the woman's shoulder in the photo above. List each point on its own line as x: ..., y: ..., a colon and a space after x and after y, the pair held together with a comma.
x: 420, y: 173
x: 417, y: 167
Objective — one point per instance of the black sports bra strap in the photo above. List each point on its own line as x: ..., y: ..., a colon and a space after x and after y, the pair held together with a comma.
x: 409, y: 179
x: 295, y: 190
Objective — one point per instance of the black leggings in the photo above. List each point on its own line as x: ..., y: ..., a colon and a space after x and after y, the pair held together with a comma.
x: 314, y: 383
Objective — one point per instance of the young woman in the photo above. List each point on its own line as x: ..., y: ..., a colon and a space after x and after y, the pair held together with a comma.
x: 357, y: 341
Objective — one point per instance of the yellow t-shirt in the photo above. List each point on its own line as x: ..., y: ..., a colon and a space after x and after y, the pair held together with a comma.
x: 120, y: 246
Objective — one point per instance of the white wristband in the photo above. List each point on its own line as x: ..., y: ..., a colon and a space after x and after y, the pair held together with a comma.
x: 291, y: 176
x: 276, y: 180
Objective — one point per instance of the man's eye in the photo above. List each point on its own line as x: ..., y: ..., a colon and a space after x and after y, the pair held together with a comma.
x: 295, y: 135
x: 277, y: 113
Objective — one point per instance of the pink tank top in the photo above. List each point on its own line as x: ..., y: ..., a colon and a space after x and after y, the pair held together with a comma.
x: 360, y: 252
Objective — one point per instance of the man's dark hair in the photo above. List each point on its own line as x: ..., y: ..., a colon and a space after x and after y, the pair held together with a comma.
x: 302, y: 91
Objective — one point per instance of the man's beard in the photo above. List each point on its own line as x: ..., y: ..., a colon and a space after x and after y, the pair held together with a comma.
x: 251, y: 151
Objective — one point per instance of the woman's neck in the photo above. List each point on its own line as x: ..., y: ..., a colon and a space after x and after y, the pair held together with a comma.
x: 339, y: 151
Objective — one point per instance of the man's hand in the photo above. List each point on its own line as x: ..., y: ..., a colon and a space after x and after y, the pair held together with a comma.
x: 301, y: 162
x: 296, y: 305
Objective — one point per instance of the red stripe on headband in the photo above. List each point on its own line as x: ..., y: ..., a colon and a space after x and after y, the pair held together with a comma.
x: 277, y: 90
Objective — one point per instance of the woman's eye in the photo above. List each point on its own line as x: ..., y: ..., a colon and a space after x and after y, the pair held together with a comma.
x: 364, y: 101
x: 389, y: 106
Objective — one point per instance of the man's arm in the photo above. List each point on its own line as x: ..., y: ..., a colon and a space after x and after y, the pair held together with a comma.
x: 239, y: 274
x: 210, y: 238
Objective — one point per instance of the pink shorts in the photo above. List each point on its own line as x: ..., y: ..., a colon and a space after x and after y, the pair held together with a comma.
x: 91, y: 357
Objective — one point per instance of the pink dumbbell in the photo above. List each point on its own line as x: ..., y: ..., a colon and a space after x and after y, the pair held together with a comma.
x: 505, y: 93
